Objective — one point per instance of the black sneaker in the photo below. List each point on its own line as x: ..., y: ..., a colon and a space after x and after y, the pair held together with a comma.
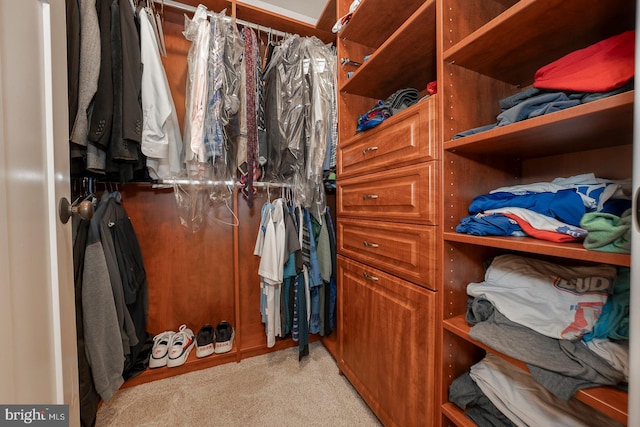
x: 204, y: 341
x: 224, y: 337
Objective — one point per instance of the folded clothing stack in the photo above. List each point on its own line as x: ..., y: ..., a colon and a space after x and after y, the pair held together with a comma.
x: 395, y: 103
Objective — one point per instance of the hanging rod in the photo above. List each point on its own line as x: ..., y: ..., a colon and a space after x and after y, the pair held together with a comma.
x: 188, y: 8
x: 186, y: 181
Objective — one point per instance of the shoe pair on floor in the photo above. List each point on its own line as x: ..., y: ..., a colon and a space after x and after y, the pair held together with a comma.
x: 171, y: 348
x: 217, y: 341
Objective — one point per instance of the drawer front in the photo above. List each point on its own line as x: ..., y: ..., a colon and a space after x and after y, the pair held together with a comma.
x: 402, y: 139
x: 408, y: 251
x: 405, y: 194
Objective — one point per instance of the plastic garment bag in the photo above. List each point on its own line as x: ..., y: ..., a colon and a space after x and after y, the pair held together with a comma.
x: 287, y: 104
x: 300, y: 80
x: 197, y: 31
x: 319, y: 67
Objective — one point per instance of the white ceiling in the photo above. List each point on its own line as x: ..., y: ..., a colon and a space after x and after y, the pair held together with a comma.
x: 303, y: 10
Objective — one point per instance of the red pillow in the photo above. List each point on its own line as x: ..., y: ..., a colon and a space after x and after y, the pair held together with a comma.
x: 601, y: 67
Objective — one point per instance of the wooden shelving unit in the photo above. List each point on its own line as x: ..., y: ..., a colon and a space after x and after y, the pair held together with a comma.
x: 575, y: 251
x: 598, y: 124
x: 506, y: 46
x: 387, y: 208
x: 487, y: 51
x: 402, y: 60
x: 374, y: 21
x: 610, y: 401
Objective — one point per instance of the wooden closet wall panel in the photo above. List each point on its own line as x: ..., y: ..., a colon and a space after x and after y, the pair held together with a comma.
x: 189, y: 275
x: 467, y: 177
x: 351, y: 106
x: 175, y: 64
x: 617, y: 165
x: 252, y: 329
x: 460, y: 27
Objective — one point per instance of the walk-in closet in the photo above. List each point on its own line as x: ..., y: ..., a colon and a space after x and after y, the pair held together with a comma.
x: 436, y: 200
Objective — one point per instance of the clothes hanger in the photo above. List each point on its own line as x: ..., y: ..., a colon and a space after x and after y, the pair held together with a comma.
x: 159, y: 20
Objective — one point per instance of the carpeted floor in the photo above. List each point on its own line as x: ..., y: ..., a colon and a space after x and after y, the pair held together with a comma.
x: 269, y: 390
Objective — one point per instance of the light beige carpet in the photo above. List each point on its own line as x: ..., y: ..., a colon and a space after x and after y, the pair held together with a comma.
x: 269, y: 390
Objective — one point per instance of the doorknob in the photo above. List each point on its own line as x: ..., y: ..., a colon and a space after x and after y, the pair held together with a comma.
x: 66, y: 210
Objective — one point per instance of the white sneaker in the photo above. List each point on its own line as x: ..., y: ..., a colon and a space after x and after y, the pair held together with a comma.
x: 160, y: 349
x: 181, y: 344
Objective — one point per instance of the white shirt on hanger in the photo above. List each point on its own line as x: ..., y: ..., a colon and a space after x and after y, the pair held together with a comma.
x: 161, y: 139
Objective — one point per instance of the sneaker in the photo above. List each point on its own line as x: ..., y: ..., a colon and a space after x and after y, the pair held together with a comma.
x: 224, y: 337
x: 160, y: 350
x: 181, y: 344
x: 204, y: 341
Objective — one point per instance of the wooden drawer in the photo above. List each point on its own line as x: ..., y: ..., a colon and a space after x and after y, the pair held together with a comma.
x: 407, y: 194
x: 402, y: 139
x: 387, y: 343
x: 406, y: 250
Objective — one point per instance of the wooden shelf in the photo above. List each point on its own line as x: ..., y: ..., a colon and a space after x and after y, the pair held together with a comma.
x: 195, y: 364
x: 328, y: 17
x: 192, y: 364
x: 456, y: 415
x: 250, y: 13
x: 608, y: 400
x: 282, y: 23
x: 406, y: 59
x: 542, y: 247
x: 598, y: 124
x: 374, y: 21
x: 512, y: 46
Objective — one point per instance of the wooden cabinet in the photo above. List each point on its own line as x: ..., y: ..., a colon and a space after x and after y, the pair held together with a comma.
x: 490, y: 50
x: 387, y: 347
x: 387, y: 202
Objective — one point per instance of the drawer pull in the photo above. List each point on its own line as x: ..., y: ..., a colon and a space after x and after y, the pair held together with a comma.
x: 369, y: 196
x: 366, y: 150
x: 369, y: 276
x: 370, y: 245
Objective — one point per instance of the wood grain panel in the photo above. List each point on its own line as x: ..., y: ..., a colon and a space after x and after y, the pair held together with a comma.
x: 388, y: 343
x: 462, y: 111
x: 252, y: 328
x: 375, y: 20
x: 175, y: 64
x: 249, y: 13
x: 328, y: 16
x: 457, y: 24
x: 190, y: 275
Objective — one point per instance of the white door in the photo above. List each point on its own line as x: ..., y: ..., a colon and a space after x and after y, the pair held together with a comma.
x: 38, y: 359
